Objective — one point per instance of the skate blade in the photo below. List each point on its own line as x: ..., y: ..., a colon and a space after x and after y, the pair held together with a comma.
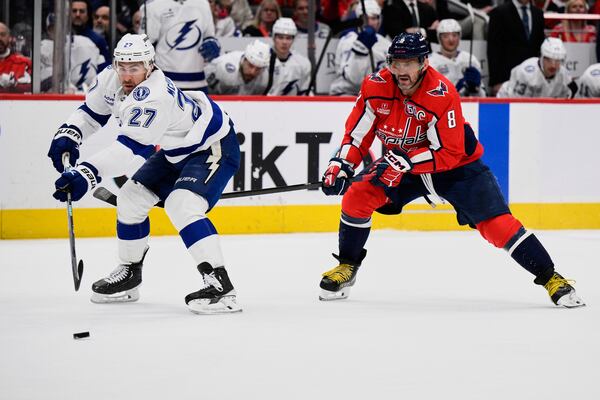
x: 226, y: 305
x: 570, y: 300
x: 327, y: 295
x: 121, y: 297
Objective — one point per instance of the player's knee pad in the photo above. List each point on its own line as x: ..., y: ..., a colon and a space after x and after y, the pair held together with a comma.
x: 185, y: 207
x: 499, y: 230
x: 134, y: 202
x: 362, y: 199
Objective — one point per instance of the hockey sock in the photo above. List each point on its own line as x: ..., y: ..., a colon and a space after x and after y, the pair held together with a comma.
x: 353, y: 236
x: 202, y: 241
x: 133, y: 240
x: 527, y: 250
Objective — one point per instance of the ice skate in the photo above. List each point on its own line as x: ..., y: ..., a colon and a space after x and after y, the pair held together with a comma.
x: 562, y: 293
x: 217, y: 296
x: 337, y: 282
x: 121, y: 285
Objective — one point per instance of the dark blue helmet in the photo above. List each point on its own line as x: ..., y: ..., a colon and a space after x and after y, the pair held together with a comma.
x: 408, y: 45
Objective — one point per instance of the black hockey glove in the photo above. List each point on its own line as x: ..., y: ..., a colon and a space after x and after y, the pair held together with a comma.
x: 336, y: 179
x: 389, y: 169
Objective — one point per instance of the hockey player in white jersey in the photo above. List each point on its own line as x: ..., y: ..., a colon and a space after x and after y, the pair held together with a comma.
x: 289, y: 72
x: 543, y: 76
x: 183, y: 32
x: 198, y: 155
x: 589, y: 82
x: 460, y: 67
x: 240, y: 72
x: 84, y: 60
x: 352, y: 58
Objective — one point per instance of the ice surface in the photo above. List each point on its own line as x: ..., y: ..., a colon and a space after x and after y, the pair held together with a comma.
x: 436, y: 315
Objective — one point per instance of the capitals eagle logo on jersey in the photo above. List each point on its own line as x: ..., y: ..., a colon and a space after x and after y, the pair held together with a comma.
x: 439, y: 91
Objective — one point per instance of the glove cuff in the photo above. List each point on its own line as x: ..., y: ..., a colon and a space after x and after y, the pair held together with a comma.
x: 69, y: 131
x: 89, y: 173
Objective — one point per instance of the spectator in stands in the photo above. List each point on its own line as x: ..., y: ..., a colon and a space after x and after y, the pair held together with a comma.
x: 136, y: 22
x: 557, y: 6
x: 240, y: 72
x: 402, y: 15
x: 240, y: 11
x: 300, y: 17
x: 85, y: 58
x: 352, y: 59
x: 460, y: 67
x: 102, y: 22
x: 589, y: 82
x: 266, y: 14
x: 543, y: 76
x: 515, y: 33
x: 15, y: 69
x: 575, y: 30
x: 224, y: 24
x: 289, y: 72
x: 81, y: 25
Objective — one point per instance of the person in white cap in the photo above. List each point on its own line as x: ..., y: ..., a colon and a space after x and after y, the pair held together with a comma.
x: 240, y: 72
x: 198, y: 155
x: 289, y: 72
x: 543, y: 76
x: 460, y: 67
x: 352, y: 56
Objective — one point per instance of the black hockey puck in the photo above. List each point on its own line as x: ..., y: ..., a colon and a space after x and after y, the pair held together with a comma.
x: 81, y: 335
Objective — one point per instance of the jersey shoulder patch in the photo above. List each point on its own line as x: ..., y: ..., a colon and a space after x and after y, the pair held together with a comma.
x: 141, y: 93
x: 376, y: 77
x: 440, y: 91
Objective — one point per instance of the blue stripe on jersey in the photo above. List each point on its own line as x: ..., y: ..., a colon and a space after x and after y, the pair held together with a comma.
x: 494, y: 132
x: 197, y: 231
x: 99, y: 118
x: 216, y: 122
x: 133, y: 232
x: 136, y: 147
x: 185, y: 76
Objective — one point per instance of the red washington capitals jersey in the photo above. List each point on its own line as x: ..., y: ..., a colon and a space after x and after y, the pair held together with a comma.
x: 428, y: 125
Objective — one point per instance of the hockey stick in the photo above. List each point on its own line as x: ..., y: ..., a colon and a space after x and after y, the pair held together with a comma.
x: 472, y: 17
x: 109, y: 197
x: 76, y: 268
x: 366, y: 22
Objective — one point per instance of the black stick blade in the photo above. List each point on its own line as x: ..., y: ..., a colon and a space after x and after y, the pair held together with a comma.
x: 77, y: 279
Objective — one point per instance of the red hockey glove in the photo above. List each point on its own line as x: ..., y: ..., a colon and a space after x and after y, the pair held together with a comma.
x: 336, y: 179
x: 388, y: 170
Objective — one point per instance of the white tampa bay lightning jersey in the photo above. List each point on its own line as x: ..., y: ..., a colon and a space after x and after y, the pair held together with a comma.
x: 589, y: 82
x: 454, y: 68
x: 177, y: 29
x: 85, y: 58
x: 528, y: 80
x: 351, y: 67
x: 224, y: 76
x: 154, y: 113
x: 321, y: 31
x: 290, y: 77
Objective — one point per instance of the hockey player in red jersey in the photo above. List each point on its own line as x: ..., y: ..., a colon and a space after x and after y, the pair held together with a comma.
x: 431, y: 152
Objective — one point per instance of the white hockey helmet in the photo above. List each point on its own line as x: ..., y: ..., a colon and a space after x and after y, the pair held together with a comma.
x: 285, y: 26
x: 371, y: 6
x: 258, y: 54
x: 554, y: 49
x: 447, y: 26
x: 134, y: 48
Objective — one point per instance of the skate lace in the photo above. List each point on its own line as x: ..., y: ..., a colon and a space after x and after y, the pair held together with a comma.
x: 118, y: 274
x: 211, y: 280
x: 555, y: 283
x: 341, y: 273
